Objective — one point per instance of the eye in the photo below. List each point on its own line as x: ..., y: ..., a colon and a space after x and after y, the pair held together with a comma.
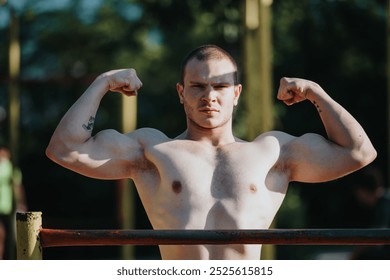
x: 198, y: 86
x: 220, y: 87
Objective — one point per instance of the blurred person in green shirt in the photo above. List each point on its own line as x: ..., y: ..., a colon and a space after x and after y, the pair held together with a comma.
x: 12, y: 199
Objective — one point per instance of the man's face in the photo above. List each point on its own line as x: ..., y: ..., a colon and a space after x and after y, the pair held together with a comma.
x: 209, y: 93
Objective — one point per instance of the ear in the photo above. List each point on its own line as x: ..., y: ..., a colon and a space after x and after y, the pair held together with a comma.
x: 237, y: 93
x: 180, y: 89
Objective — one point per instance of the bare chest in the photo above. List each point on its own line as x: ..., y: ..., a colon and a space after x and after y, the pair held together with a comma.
x: 198, y: 188
x: 220, y: 172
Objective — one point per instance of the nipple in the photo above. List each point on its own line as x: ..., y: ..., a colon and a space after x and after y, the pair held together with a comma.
x: 253, y: 188
x: 176, y: 187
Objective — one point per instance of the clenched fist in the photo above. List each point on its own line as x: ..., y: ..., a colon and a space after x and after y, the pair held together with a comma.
x: 294, y: 90
x: 124, y: 81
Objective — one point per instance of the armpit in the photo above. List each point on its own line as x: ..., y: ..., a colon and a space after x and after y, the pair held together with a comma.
x: 277, y: 179
x: 282, y: 166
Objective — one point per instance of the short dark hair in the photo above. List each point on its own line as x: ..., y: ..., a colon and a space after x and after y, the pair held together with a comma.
x: 207, y: 52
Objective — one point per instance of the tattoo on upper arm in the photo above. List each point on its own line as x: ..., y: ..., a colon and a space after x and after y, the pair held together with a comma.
x: 90, y: 124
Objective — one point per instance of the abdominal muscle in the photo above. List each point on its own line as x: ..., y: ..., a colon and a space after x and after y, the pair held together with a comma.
x: 210, y: 252
x: 210, y: 214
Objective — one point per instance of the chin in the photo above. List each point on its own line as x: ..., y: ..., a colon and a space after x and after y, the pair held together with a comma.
x: 210, y: 123
x: 204, y: 125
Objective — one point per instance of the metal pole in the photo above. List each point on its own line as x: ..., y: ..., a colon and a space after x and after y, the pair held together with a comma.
x: 58, y: 237
x: 28, y: 244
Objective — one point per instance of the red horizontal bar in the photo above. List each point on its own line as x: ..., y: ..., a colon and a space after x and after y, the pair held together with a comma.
x: 57, y: 237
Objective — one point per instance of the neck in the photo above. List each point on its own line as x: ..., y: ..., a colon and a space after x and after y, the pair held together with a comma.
x: 218, y: 136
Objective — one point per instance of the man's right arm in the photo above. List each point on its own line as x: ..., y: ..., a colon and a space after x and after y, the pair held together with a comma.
x: 103, y: 155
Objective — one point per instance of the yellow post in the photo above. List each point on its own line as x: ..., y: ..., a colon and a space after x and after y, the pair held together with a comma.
x: 258, y: 67
x: 388, y: 82
x: 14, y: 90
x: 28, y: 246
x: 258, y: 76
x: 126, y: 187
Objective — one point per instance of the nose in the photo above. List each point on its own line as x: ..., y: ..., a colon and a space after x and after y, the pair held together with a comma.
x: 209, y: 94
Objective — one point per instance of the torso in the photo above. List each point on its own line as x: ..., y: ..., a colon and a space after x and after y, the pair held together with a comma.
x: 187, y: 185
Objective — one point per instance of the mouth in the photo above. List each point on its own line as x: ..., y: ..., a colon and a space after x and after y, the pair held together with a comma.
x: 208, y: 110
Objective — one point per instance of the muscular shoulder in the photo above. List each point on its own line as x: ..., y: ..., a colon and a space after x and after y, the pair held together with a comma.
x: 277, y: 142
x: 129, y: 146
x: 148, y: 136
x: 276, y: 139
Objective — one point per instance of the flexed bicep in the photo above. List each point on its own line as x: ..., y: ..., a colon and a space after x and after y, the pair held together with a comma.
x: 107, y: 155
x: 312, y: 158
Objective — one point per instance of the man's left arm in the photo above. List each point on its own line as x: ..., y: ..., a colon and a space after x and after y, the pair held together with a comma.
x: 314, y: 158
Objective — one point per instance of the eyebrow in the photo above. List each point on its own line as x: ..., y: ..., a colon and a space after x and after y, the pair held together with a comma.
x: 216, y: 83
